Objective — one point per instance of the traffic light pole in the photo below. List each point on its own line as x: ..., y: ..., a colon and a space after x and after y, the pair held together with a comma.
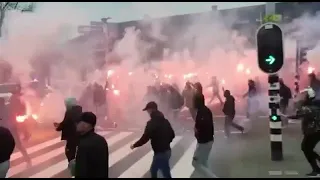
x: 270, y: 58
x: 275, y: 119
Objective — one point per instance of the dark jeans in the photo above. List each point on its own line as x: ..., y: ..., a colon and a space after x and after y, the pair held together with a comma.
x: 161, y: 162
x: 283, y: 108
x: 308, y: 144
x: 71, y: 148
x: 229, y: 123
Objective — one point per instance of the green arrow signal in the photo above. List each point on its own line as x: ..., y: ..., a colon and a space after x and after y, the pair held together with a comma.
x: 270, y: 60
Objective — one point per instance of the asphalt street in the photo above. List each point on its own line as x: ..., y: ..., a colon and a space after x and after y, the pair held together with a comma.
x: 240, y: 156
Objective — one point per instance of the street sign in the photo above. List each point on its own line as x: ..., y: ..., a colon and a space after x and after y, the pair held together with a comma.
x: 270, y: 48
x: 275, y: 18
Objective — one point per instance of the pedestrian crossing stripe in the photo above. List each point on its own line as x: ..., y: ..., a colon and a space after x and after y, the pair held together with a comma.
x: 49, y: 161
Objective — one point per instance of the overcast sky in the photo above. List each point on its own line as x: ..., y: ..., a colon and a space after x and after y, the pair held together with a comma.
x: 126, y: 11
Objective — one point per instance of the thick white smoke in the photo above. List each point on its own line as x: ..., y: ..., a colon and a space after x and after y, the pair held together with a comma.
x: 218, y: 51
x: 29, y: 35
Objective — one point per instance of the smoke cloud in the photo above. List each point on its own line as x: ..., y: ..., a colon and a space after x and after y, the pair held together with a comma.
x: 207, y: 47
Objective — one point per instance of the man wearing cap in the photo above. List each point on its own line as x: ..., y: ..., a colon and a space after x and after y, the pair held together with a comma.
x: 161, y: 134
x: 92, y: 157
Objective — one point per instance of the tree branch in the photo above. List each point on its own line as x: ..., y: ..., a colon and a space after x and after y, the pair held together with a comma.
x: 5, y: 5
x: 16, y: 5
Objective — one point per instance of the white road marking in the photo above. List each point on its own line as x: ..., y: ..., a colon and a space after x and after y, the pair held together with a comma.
x: 121, y: 153
x: 183, y: 168
x: 43, y: 145
x: 40, y: 159
x: 291, y: 173
x: 62, y: 165
x: 138, y: 169
x: 275, y: 173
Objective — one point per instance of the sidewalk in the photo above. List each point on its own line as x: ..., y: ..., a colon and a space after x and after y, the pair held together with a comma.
x: 248, y: 156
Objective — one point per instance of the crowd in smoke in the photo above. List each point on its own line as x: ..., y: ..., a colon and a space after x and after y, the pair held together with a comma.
x: 217, y: 50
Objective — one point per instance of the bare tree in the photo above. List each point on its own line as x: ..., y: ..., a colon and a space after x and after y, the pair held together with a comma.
x: 7, y: 6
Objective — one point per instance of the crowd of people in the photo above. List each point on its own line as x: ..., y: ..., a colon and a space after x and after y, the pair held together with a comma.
x: 87, y: 151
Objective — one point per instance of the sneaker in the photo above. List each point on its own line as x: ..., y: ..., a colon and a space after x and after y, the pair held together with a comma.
x: 313, y: 174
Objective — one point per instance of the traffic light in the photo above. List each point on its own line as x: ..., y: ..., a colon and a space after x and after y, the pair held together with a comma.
x: 274, y: 117
x: 303, y: 55
x: 270, y: 48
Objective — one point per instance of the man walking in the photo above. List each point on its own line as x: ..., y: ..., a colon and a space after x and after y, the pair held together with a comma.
x: 229, y: 111
x: 92, y: 157
x: 161, y: 134
x: 68, y: 127
x: 285, y: 96
x: 204, y: 132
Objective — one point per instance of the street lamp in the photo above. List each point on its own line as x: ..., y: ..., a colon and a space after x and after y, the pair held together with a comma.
x: 105, y: 20
x: 106, y: 29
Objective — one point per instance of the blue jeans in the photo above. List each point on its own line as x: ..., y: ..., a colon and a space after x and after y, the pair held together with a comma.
x: 161, y: 161
x: 200, y: 159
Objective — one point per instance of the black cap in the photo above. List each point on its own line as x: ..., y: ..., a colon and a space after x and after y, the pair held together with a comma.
x: 88, y: 117
x: 151, y: 105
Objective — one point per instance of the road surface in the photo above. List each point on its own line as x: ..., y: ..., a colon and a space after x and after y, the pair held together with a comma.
x: 245, y: 155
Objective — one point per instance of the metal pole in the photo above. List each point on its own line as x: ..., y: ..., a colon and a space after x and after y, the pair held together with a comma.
x: 297, y: 76
x: 274, y: 100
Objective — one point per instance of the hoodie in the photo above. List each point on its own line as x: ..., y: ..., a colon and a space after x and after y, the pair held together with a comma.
x: 68, y: 125
x: 229, y: 106
x: 159, y: 131
x: 204, y: 128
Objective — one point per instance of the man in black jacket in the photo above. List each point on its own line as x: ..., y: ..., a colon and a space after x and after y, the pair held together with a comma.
x: 230, y: 111
x: 7, y: 145
x: 204, y: 132
x: 161, y: 134
x: 285, y: 96
x: 92, y: 157
x: 68, y: 129
x: 309, y: 112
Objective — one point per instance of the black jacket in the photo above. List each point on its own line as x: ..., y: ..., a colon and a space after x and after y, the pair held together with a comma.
x: 204, y: 129
x: 159, y: 131
x: 229, y: 106
x: 7, y: 144
x: 68, y: 125
x: 310, y: 116
x: 285, y: 92
x: 92, y: 158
